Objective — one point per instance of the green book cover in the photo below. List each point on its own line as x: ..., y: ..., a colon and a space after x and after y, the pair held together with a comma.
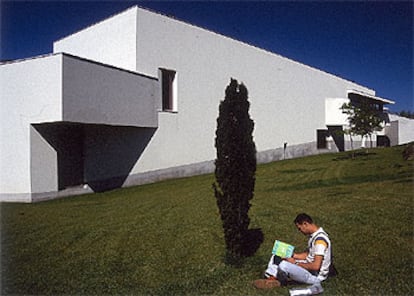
x: 283, y: 250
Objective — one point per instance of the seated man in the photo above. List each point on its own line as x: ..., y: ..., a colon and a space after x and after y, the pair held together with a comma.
x: 310, y: 267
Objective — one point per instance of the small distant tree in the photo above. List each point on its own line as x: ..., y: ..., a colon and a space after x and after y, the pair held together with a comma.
x: 363, y: 119
x: 407, y: 114
x: 235, y: 167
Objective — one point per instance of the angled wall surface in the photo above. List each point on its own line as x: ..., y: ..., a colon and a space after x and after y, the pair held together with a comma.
x: 31, y: 93
x: 57, y: 111
x: 97, y: 94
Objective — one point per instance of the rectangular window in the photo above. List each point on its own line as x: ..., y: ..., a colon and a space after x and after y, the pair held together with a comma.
x: 322, y: 135
x: 169, y: 90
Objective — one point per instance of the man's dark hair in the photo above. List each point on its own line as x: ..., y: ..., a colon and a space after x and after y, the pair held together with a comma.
x: 301, y: 218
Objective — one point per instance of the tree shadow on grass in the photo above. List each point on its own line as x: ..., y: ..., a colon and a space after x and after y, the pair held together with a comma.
x: 254, y: 238
x: 251, y: 243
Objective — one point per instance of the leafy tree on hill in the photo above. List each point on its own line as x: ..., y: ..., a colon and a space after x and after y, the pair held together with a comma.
x: 364, y: 119
x: 235, y: 170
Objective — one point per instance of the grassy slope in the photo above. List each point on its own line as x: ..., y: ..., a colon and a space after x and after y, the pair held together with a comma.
x: 166, y: 238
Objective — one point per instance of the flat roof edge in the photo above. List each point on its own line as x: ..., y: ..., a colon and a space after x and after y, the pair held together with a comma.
x: 64, y: 54
x: 107, y: 65
x: 8, y: 62
x: 364, y: 94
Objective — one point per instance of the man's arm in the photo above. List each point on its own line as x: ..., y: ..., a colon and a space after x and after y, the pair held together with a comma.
x: 315, y: 265
x: 300, y: 256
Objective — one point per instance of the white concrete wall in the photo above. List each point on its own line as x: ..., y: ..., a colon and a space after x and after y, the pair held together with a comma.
x: 289, y: 102
x: 333, y: 112
x: 43, y: 163
x: 287, y: 98
x: 401, y: 130
x: 62, y: 88
x: 31, y: 93
x: 111, y: 41
x: 97, y: 94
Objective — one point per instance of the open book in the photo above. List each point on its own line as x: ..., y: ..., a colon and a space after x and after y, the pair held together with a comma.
x: 282, y: 249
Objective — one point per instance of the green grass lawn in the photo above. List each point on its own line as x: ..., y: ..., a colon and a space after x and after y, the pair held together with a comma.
x: 166, y: 238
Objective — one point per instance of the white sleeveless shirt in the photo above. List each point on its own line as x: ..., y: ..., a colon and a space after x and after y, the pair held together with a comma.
x: 319, y: 244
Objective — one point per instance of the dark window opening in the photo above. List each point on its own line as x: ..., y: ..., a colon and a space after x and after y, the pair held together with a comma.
x: 322, y: 135
x: 168, y: 90
x: 383, y: 141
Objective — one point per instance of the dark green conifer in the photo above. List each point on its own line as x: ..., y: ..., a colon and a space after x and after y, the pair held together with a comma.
x: 235, y: 167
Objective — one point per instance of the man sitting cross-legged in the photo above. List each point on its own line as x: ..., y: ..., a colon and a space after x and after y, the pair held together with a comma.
x: 310, y: 267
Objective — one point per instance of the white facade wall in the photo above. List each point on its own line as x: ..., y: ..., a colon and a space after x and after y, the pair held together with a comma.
x: 125, y: 134
x: 42, y: 96
x: 401, y: 130
x: 287, y: 98
x: 118, y: 48
x: 333, y: 113
x: 31, y: 93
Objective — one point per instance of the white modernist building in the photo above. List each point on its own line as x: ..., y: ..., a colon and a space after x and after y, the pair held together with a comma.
x: 134, y: 99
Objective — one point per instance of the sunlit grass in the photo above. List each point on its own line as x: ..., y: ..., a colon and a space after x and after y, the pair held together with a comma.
x: 166, y: 238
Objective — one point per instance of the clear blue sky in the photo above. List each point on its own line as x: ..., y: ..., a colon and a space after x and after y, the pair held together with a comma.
x: 370, y: 42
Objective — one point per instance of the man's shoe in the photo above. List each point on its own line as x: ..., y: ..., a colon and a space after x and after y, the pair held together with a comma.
x: 268, y: 283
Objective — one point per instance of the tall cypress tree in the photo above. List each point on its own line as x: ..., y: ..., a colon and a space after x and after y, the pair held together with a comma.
x: 235, y: 167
